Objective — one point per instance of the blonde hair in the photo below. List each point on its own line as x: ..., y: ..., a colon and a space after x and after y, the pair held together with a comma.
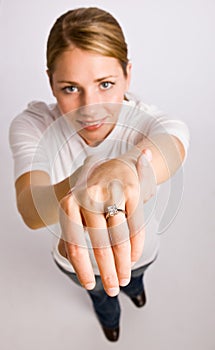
x: 90, y: 29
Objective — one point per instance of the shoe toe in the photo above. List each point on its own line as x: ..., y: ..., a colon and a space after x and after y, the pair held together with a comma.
x: 111, y: 334
x: 139, y: 300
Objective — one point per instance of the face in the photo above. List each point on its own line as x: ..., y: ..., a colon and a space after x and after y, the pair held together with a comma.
x: 89, y: 89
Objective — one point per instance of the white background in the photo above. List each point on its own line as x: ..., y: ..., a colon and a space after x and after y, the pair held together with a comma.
x: 171, y: 46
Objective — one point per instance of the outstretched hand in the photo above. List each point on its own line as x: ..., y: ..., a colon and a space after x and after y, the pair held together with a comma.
x: 117, y: 241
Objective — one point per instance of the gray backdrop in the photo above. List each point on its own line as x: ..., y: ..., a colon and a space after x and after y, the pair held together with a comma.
x: 171, y: 46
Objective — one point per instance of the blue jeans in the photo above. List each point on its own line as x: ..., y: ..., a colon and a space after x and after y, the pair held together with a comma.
x: 107, y: 308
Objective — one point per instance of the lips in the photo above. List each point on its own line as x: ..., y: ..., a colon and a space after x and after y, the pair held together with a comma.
x: 92, y: 125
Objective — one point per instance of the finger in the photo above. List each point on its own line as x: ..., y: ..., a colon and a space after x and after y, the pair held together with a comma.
x: 137, y: 236
x: 75, y: 244
x: 136, y: 224
x: 119, y: 236
x: 70, y: 222
x: 101, y: 245
x: 107, y: 268
x: 135, y: 204
x: 137, y: 244
x: 79, y: 258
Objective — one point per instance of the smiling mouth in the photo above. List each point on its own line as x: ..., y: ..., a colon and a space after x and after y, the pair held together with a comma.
x: 95, y: 123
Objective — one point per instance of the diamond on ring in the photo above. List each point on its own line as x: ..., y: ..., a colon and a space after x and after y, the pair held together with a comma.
x: 112, y: 210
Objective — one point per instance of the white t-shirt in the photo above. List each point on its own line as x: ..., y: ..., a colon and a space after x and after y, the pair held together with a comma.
x: 42, y: 139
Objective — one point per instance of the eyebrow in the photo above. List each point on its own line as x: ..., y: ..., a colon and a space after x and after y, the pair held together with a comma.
x: 95, y: 81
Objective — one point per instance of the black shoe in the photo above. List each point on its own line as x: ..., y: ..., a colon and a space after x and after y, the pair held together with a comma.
x: 140, y: 299
x: 111, y: 334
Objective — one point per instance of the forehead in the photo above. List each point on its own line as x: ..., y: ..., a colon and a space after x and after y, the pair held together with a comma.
x: 76, y: 61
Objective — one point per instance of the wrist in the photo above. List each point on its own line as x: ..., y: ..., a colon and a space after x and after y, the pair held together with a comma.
x: 134, y: 153
x: 131, y: 156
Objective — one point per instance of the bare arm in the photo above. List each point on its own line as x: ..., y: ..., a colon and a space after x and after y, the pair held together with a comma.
x: 167, y: 155
x: 38, y: 200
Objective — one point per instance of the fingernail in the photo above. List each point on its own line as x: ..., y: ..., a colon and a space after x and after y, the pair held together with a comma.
x: 133, y: 263
x: 90, y: 285
x: 144, y: 161
x: 124, y: 282
x: 148, y: 154
x: 113, y: 292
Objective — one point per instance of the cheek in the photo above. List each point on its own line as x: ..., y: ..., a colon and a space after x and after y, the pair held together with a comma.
x: 65, y: 104
x: 118, y: 94
x: 62, y: 105
x: 121, y: 92
x: 118, y: 97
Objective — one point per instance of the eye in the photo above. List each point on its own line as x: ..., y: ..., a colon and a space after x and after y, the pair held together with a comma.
x: 105, y: 85
x: 70, y: 89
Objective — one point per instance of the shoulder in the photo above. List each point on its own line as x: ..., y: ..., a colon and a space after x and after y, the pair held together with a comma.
x: 140, y: 115
x: 141, y: 106
x: 37, y: 115
x: 152, y: 120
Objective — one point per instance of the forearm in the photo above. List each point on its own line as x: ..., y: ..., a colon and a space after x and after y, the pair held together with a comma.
x: 38, y: 204
x: 167, y: 155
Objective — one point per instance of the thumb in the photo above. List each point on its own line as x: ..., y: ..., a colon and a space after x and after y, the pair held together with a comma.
x: 147, y: 154
x: 143, y: 161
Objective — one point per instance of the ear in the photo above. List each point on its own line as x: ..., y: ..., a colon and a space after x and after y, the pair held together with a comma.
x: 128, y: 78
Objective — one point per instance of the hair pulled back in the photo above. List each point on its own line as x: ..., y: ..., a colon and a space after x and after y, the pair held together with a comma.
x: 90, y: 29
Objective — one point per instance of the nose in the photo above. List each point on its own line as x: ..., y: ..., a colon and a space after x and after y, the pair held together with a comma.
x: 90, y: 104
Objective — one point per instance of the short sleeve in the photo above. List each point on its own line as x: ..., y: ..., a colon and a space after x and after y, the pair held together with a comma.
x: 27, y: 145
x: 158, y: 123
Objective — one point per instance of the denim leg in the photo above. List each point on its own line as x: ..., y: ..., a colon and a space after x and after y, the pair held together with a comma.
x: 136, y: 285
x: 106, y: 308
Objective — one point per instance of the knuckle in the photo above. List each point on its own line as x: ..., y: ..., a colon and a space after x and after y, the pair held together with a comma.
x: 122, y: 275
x: 133, y: 191
x: 121, y: 249
x: 110, y: 279
x: 96, y: 192
x: 135, y: 255
x: 75, y: 252
x: 100, y: 253
x: 136, y: 252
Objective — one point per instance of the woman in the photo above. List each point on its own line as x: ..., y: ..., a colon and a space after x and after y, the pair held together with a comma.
x: 86, y: 166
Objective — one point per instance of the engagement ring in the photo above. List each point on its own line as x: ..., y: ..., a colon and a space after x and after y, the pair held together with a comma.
x: 112, y: 210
